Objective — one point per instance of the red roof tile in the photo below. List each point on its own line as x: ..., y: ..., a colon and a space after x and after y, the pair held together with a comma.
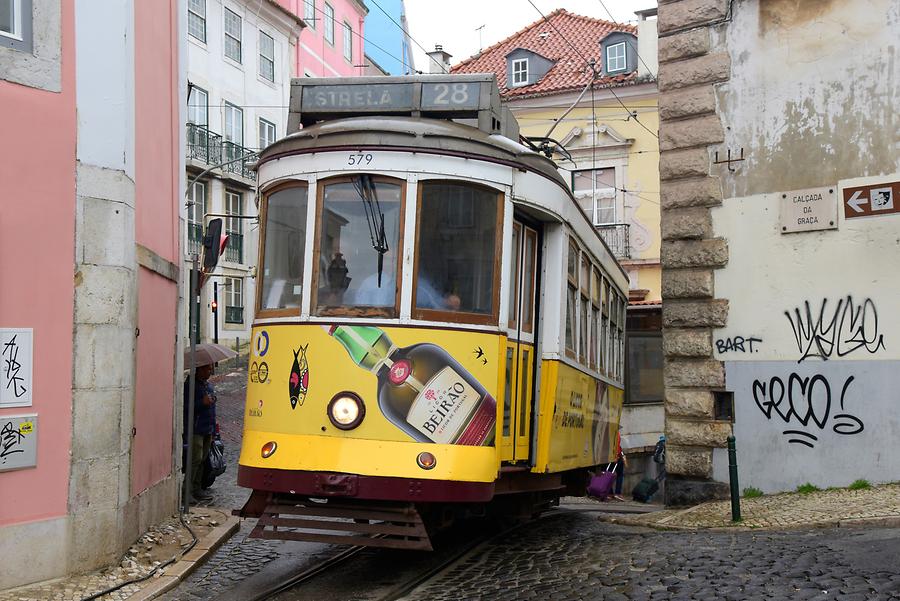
x: 569, y: 72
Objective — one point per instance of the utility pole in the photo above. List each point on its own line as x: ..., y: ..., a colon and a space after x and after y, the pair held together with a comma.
x: 215, y: 312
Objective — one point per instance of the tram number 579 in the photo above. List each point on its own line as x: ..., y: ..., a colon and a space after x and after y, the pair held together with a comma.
x: 358, y: 158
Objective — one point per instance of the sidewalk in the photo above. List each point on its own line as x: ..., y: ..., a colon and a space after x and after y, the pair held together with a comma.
x: 158, y: 546
x: 875, y: 506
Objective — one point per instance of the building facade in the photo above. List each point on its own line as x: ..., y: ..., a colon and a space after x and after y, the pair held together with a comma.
x: 240, y: 62
x: 780, y: 212
x: 92, y: 99
x: 604, y: 141
x: 332, y: 45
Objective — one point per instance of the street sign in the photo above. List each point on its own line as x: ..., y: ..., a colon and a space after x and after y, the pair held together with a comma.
x: 873, y: 200
x: 808, y: 210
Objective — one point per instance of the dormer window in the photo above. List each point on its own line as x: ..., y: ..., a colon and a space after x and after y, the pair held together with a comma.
x: 615, y: 57
x: 520, y: 72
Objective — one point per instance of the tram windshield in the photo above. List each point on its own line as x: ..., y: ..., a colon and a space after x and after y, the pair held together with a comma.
x: 359, y: 241
x: 457, y: 249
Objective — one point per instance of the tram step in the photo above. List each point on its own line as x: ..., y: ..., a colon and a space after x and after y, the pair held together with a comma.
x: 391, y: 525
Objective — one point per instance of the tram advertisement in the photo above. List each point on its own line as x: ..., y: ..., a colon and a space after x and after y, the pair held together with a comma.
x: 414, y: 384
x: 586, y: 413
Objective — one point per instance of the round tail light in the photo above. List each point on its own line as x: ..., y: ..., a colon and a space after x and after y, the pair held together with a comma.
x: 268, y: 449
x: 426, y: 460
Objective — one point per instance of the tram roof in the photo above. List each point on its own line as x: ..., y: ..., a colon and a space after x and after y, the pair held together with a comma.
x: 440, y: 136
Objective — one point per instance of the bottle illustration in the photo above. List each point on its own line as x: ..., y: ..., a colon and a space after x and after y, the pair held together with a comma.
x: 422, y: 389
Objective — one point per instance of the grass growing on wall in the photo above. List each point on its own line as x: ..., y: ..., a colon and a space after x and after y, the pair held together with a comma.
x: 752, y: 493
x: 860, y: 485
x: 805, y: 489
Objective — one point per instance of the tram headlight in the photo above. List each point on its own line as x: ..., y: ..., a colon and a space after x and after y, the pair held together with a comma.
x: 346, y: 410
x: 268, y: 449
x: 426, y: 461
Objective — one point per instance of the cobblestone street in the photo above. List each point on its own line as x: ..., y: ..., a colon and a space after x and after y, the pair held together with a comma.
x: 576, y: 556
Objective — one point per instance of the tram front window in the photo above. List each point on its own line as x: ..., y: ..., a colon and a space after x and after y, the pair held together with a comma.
x: 285, y: 240
x: 457, y: 250
x: 359, y: 243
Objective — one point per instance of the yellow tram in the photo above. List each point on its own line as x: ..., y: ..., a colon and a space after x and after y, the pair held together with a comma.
x: 439, y: 329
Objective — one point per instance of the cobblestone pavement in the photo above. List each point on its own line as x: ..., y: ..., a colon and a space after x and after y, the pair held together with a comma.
x: 575, y: 556
x: 791, y: 510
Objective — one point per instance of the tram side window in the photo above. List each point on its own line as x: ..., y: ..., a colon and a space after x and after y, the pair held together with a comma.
x: 456, y: 250
x: 359, y: 247
x: 596, y: 279
x: 584, y: 308
x: 571, y: 293
x: 604, y: 328
x: 285, y: 241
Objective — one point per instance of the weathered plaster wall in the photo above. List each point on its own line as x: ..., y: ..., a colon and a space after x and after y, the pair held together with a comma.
x: 807, y: 90
x: 813, y: 92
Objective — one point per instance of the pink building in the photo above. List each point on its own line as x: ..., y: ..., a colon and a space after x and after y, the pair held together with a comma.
x: 92, y: 98
x: 331, y: 44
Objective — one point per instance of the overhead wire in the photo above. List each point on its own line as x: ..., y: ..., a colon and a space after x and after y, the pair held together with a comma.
x: 609, y: 86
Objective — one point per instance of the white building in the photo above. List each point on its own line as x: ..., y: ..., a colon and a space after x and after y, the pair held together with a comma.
x: 240, y: 61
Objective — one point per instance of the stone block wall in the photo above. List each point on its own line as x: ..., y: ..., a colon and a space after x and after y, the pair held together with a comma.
x: 692, y: 61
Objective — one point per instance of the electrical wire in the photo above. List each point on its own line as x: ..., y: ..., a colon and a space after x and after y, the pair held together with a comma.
x: 609, y: 86
x: 405, y: 32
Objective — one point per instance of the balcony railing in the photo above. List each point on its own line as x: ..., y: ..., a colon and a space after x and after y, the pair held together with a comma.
x: 616, y: 237
x: 209, y: 148
x: 231, y: 152
x: 234, y: 315
x: 203, y: 145
x: 234, y: 250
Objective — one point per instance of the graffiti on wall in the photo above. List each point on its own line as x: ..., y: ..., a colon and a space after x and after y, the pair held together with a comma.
x: 806, y: 401
x: 738, y: 344
x: 836, y: 331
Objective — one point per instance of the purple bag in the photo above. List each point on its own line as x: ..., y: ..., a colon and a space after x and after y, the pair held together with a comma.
x: 601, y: 485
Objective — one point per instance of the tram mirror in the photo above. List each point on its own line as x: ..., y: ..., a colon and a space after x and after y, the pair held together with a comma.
x: 212, y: 246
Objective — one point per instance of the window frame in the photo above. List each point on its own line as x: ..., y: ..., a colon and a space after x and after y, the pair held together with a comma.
x: 572, y: 250
x: 205, y: 106
x: 348, y: 42
x: 384, y: 312
x: 228, y: 106
x: 329, y: 24
x: 262, y: 122
x: 518, y: 82
x: 623, y: 57
x: 18, y: 23
x: 199, y: 16
x: 309, y: 13
x: 233, y: 224
x: 261, y: 256
x: 460, y: 316
x: 226, y: 35
x: 263, y: 57
x: 230, y: 297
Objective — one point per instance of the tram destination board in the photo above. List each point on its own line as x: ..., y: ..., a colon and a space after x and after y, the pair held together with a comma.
x: 451, y: 96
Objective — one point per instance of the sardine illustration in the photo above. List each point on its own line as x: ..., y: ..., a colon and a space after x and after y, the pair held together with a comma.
x: 298, y: 383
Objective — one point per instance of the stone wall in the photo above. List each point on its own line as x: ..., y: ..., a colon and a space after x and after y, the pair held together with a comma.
x: 690, y: 66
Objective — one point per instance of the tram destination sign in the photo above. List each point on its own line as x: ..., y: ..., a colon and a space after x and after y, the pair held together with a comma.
x: 449, y: 96
x: 809, y: 210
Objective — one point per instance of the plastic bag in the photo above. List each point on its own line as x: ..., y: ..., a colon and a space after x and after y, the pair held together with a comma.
x: 215, y: 462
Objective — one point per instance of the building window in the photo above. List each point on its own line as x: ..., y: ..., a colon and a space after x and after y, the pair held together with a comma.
x: 234, y: 124
x: 198, y: 106
x: 309, y: 12
x: 615, y: 57
x: 266, y: 133
x: 644, y: 368
x: 197, y: 19
x: 329, y: 24
x: 267, y: 56
x: 234, y: 300
x: 348, y: 42
x: 234, y: 227
x: 600, y: 186
x: 11, y: 18
x: 232, y: 35
x: 195, y: 210
x: 520, y: 72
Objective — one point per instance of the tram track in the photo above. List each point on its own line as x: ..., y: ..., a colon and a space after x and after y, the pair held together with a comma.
x: 395, y: 592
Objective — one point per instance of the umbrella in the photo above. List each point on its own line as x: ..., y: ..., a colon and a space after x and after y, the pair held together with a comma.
x: 207, y: 354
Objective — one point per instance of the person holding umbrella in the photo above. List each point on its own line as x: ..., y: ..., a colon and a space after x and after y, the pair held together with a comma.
x: 204, y: 424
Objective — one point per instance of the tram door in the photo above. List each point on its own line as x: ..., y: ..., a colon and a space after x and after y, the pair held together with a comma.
x: 518, y: 395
